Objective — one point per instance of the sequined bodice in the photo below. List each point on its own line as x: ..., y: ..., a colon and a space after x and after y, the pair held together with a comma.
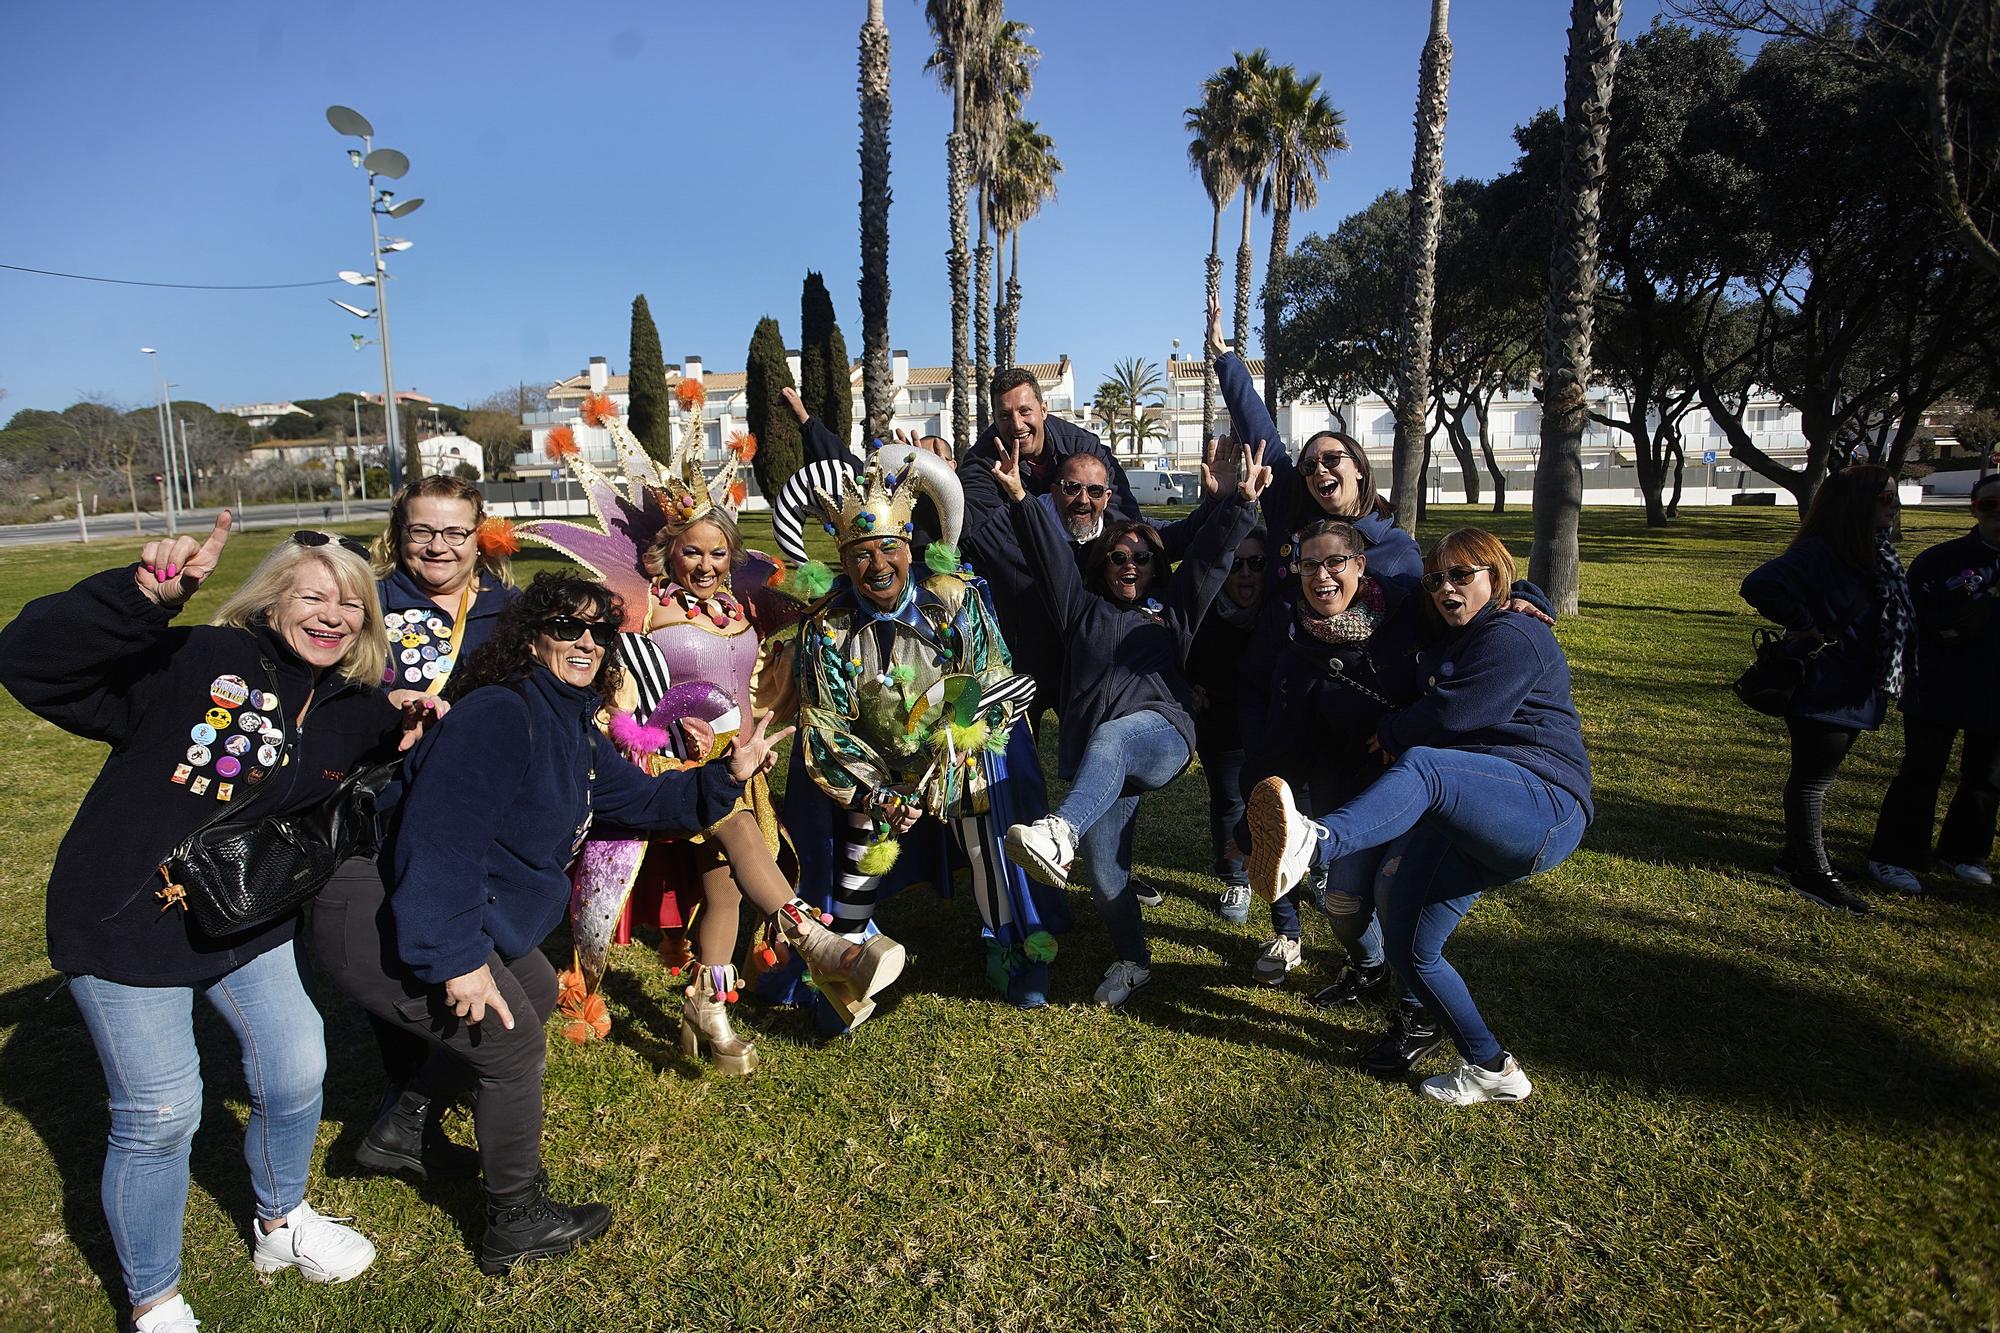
x: 697, y: 650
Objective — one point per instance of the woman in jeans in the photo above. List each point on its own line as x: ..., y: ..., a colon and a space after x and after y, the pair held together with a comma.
x: 1125, y: 723
x: 262, y: 712
x: 1486, y: 782
x: 1841, y: 596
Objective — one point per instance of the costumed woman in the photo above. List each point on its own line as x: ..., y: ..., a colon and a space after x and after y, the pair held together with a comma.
x: 912, y: 755
x: 699, y: 616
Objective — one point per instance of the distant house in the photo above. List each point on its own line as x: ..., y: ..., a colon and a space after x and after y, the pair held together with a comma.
x: 260, y: 415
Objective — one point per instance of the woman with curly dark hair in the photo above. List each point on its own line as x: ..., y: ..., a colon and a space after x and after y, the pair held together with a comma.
x: 485, y: 819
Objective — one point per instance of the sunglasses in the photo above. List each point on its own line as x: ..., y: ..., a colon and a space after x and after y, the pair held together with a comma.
x: 1335, y: 563
x: 1986, y: 504
x: 1072, y: 489
x: 1122, y: 557
x: 1253, y: 563
x: 310, y: 539
x: 568, y: 629
x: 1457, y: 576
x: 423, y: 534
x: 1326, y: 460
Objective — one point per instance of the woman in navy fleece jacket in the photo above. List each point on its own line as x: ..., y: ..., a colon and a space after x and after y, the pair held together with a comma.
x: 1487, y: 783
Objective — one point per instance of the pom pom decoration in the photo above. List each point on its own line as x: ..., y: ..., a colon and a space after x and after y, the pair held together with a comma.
x: 1040, y: 947
x: 810, y: 581
x: 744, y: 445
x: 941, y: 558
x: 598, y: 409
x: 738, y: 493
x: 560, y: 444
x: 878, y: 856
x: 496, y: 537
x: 591, y: 1023
x: 690, y: 394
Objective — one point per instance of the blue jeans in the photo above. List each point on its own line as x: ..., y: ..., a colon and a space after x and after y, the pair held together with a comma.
x: 1223, y: 770
x: 1350, y: 906
x: 145, y: 1042
x: 1126, y: 757
x: 1453, y: 824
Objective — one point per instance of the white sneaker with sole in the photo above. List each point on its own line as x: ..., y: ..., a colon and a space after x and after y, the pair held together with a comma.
x: 1468, y: 1085
x: 1971, y: 874
x: 1895, y: 877
x: 1282, y: 840
x: 1044, y: 849
x: 1235, y: 904
x: 169, y: 1316
x: 1277, y: 957
x: 1121, y: 979
x: 321, y: 1248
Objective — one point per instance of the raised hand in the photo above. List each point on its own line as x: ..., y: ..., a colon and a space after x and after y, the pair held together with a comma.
x: 1216, y: 345
x: 171, y: 568
x: 1218, y: 467
x: 796, y: 403
x: 1008, y: 473
x: 1255, y: 474
x: 751, y: 752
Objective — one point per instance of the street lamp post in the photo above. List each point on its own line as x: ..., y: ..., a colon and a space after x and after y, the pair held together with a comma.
x: 168, y: 485
x: 380, y: 164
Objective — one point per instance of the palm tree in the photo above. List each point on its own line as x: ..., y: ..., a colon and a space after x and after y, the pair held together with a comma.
x: 1209, y: 156
x: 959, y: 26
x: 878, y: 389
x: 1420, y: 279
x: 1553, y: 560
x: 1023, y: 182
x: 1238, y: 96
x: 1301, y: 130
x: 1130, y: 402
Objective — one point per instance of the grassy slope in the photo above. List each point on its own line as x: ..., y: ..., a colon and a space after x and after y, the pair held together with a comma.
x: 1748, y: 1110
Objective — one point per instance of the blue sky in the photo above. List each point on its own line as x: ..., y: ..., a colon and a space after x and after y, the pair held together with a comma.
x: 574, y: 155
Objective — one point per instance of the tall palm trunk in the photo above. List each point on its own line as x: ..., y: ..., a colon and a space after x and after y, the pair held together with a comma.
x: 878, y: 388
x: 1240, y: 331
x: 1010, y: 321
x: 957, y: 260
x: 1420, y: 280
x: 1274, y: 292
x: 1214, y: 298
x: 982, y: 327
x: 1554, y: 561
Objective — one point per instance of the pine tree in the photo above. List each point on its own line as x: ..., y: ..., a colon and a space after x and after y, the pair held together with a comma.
x: 825, y: 378
x: 765, y: 373
x: 650, y: 413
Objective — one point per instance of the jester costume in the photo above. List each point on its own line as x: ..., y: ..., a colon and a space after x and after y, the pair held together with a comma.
x: 920, y: 706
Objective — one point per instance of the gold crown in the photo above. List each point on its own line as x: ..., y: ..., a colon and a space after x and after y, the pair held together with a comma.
x: 879, y: 506
x: 685, y: 493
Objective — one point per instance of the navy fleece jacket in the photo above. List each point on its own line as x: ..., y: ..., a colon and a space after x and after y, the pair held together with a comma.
x: 1809, y: 587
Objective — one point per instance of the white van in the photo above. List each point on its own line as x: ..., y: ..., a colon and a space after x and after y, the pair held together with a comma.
x: 1153, y: 487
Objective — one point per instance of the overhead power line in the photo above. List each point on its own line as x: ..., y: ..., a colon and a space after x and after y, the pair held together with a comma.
x: 183, y: 286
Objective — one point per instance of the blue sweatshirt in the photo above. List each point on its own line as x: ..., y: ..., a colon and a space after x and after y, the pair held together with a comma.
x: 1956, y: 588
x: 432, y: 629
x: 1500, y: 686
x: 492, y: 807
x: 1811, y: 588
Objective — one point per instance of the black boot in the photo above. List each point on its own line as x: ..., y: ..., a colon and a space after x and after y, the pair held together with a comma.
x: 408, y: 1139
x: 1412, y: 1035
x: 1354, y: 983
x: 528, y: 1224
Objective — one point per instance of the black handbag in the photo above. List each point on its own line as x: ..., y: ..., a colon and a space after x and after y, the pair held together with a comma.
x: 1776, y: 675
x: 242, y: 874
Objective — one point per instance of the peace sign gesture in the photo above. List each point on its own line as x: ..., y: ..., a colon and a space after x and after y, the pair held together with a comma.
x: 1008, y: 473
x: 171, y: 569
x: 751, y: 752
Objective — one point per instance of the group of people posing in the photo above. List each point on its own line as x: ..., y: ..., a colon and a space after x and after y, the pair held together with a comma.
x: 1385, y: 735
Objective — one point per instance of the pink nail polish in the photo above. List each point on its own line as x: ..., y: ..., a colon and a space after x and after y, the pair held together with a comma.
x: 172, y: 570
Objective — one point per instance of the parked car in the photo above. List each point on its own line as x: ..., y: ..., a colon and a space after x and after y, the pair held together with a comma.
x: 1150, y: 486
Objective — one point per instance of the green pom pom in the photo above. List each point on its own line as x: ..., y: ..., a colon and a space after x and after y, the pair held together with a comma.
x: 809, y: 582
x: 999, y: 965
x: 1040, y: 947
x: 902, y: 673
x: 941, y: 557
x: 878, y: 856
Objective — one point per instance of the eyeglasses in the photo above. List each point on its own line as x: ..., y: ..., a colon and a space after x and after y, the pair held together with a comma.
x: 1122, y: 557
x: 1457, y: 576
x: 1072, y: 489
x: 310, y: 539
x: 1333, y: 564
x: 1253, y: 563
x: 423, y: 534
x: 568, y: 629
x: 1986, y: 504
x: 1326, y: 460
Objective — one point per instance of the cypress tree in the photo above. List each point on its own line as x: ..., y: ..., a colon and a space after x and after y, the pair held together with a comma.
x: 765, y: 373
x: 650, y: 412
x: 825, y: 375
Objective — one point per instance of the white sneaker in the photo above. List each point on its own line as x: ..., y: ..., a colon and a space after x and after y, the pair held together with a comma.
x: 1468, y: 1085
x: 1282, y: 840
x: 1120, y: 980
x: 1971, y: 874
x: 1277, y: 957
x: 1044, y: 849
x: 321, y: 1248
x: 169, y: 1316
x: 1895, y: 877
x: 1235, y: 904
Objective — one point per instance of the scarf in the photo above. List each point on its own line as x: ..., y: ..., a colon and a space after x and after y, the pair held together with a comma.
x: 1898, y: 615
x: 1356, y: 624
x: 1241, y: 617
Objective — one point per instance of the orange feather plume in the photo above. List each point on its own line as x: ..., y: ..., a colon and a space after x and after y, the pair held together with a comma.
x: 560, y: 444
x: 690, y: 394
x: 744, y: 445
x: 598, y: 409
x: 497, y: 538
x: 738, y: 493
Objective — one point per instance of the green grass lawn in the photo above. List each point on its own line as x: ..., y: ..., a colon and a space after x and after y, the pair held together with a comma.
x: 1748, y: 1112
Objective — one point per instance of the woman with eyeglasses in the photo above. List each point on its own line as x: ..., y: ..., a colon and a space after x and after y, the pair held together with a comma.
x: 1486, y: 782
x: 1841, y: 595
x: 1956, y: 588
x: 1332, y: 478
x: 261, y: 712
x: 1215, y: 676
x: 1126, y: 729
x: 486, y: 818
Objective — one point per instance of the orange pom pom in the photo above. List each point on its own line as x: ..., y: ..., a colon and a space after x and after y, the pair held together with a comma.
x: 738, y: 493
x: 744, y: 445
x: 690, y: 394
x: 598, y: 1015
x: 570, y: 988
x: 497, y: 538
x: 767, y: 956
x: 560, y: 444
x: 598, y: 409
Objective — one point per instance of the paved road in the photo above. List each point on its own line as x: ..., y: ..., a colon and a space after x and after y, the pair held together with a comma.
x: 115, y: 527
